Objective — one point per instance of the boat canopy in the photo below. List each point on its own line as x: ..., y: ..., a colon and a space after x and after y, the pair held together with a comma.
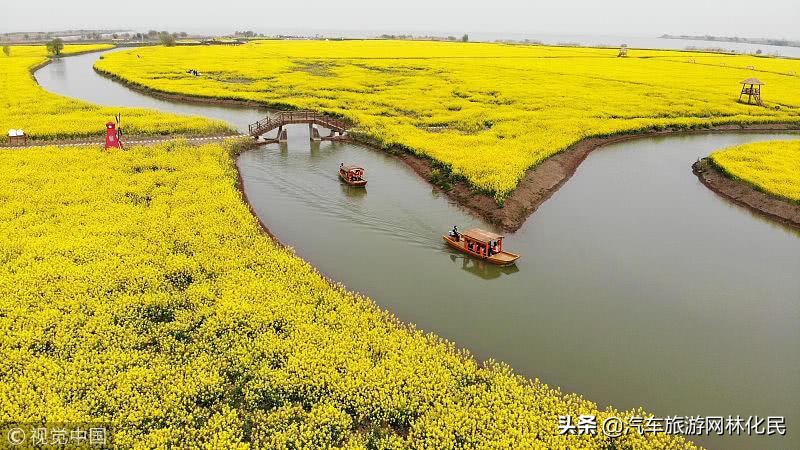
x: 479, y: 235
x: 352, y: 169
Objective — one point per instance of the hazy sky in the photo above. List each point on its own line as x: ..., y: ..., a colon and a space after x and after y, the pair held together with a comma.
x: 762, y: 18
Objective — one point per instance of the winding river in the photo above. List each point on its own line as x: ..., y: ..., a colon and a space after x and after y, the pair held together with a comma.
x: 638, y: 286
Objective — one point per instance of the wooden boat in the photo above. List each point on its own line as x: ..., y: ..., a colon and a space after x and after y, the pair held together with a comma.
x: 352, y: 175
x: 483, y: 245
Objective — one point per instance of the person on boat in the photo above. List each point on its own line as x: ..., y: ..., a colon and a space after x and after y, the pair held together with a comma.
x: 455, y: 234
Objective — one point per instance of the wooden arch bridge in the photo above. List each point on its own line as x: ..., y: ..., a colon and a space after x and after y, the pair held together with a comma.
x: 313, y: 119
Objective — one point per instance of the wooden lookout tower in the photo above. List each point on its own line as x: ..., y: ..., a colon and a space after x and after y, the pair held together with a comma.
x: 751, y: 87
x: 623, y: 51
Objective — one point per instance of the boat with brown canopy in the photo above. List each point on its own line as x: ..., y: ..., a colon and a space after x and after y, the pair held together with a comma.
x: 352, y: 175
x: 481, y: 244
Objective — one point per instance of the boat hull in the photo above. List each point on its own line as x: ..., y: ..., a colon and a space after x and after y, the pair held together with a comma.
x: 501, y: 259
x: 358, y: 183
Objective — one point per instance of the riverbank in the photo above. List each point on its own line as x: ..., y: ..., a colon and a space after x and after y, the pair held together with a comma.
x: 181, y: 97
x: 538, y: 184
x: 542, y: 181
x: 746, y: 195
x: 236, y: 150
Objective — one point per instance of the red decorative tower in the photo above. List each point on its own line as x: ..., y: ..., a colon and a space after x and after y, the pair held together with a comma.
x: 112, y: 136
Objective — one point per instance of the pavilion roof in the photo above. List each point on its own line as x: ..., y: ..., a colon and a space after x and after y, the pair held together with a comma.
x: 755, y: 81
x: 481, y: 235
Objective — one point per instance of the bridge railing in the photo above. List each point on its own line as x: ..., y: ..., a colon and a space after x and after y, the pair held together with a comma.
x: 257, y: 127
x: 289, y: 117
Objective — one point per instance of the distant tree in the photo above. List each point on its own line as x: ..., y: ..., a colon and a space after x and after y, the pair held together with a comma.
x: 183, y: 34
x: 55, y: 46
x: 152, y: 34
x: 465, y: 38
x: 758, y: 52
x: 114, y: 35
x: 7, y: 50
x: 167, y: 40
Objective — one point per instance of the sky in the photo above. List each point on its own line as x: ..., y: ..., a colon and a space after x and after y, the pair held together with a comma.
x: 762, y: 18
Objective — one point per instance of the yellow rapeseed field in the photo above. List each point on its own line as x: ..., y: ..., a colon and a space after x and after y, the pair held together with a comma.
x: 25, y: 105
x: 772, y: 166
x: 487, y: 111
x: 137, y: 291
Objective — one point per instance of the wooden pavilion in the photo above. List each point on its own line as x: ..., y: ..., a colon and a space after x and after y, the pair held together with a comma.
x: 623, y: 51
x: 752, y: 88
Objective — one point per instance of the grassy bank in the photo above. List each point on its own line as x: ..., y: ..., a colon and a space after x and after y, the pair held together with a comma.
x: 488, y: 112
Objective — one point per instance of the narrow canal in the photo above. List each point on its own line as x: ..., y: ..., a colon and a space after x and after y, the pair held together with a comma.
x: 637, y: 287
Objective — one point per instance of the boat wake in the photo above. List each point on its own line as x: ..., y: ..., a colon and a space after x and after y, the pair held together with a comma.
x: 391, y: 220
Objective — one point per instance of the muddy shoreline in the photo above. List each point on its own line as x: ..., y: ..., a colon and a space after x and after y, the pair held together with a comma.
x: 745, y: 195
x: 536, y: 187
x: 542, y: 181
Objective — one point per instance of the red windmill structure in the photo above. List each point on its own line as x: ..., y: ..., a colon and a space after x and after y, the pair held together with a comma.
x: 113, y: 134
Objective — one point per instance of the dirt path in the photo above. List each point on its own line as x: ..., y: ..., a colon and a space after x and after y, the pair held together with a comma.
x: 747, y: 196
